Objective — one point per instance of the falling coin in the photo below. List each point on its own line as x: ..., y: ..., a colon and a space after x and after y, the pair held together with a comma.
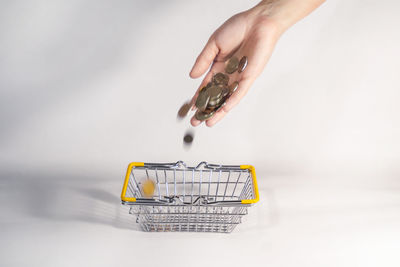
x: 188, y: 138
x: 148, y: 188
x: 184, y: 110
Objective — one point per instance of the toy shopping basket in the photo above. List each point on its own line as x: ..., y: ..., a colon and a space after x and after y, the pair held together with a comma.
x: 206, y: 198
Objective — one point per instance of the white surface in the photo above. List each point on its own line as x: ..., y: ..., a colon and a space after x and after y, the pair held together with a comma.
x: 88, y: 86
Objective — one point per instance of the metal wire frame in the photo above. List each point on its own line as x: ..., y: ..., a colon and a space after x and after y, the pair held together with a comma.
x: 205, y: 198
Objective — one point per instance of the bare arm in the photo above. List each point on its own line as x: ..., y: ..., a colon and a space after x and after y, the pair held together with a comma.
x: 252, y: 33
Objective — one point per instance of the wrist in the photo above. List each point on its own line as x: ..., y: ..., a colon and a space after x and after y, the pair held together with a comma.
x: 283, y: 13
x: 267, y: 13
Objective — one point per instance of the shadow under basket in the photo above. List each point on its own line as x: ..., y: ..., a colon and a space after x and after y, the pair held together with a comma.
x: 205, y: 198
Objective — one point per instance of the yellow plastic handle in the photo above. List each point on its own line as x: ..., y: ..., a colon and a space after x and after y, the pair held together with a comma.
x: 253, y: 176
x: 141, y: 164
x: 128, y: 173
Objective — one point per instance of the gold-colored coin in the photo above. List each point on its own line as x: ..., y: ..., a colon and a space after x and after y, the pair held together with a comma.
x: 242, y: 64
x: 148, y: 188
x: 220, y: 78
x: 232, y: 65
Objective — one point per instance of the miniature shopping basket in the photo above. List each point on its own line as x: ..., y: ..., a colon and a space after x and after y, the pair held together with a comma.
x: 206, y: 198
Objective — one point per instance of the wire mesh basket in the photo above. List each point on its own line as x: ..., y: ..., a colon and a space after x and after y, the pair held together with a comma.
x: 205, y: 198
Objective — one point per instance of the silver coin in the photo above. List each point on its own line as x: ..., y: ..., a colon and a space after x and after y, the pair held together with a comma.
x: 219, y: 106
x: 232, y: 65
x: 225, y: 91
x: 202, y: 116
x: 214, y: 103
x: 220, y: 78
x: 233, y: 87
x: 214, y: 92
x: 202, y: 99
x: 242, y: 64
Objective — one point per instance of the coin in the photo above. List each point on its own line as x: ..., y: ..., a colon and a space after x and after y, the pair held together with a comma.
x: 202, y: 116
x: 232, y: 65
x: 202, y: 99
x: 214, y: 92
x: 225, y: 91
x: 188, y: 138
x: 220, y: 78
x: 242, y: 64
x: 215, y: 102
x: 148, y: 188
x: 184, y: 110
x: 233, y: 87
x: 220, y: 106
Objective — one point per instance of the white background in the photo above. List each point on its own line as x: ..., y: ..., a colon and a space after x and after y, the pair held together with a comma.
x: 88, y: 86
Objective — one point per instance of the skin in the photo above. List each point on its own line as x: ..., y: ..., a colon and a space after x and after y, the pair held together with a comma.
x: 252, y: 33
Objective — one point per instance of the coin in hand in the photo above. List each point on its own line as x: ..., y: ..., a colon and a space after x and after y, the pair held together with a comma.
x: 232, y: 65
x: 213, y: 96
x: 233, y: 87
x: 220, y: 78
x: 203, y: 115
x: 242, y: 64
x: 202, y: 98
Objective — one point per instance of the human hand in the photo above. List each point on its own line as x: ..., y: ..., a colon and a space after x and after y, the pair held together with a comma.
x: 253, y: 34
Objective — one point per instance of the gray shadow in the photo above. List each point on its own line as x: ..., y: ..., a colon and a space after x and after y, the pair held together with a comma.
x: 94, y: 199
x: 65, y: 197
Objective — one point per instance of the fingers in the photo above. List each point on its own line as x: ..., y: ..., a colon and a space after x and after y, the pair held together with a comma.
x: 195, y: 122
x: 216, y: 118
x: 234, y: 99
x: 245, y: 82
x: 205, y: 59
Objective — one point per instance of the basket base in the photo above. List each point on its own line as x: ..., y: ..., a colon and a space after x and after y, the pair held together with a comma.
x: 194, y: 227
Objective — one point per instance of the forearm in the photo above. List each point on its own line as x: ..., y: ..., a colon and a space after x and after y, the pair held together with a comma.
x: 285, y: 13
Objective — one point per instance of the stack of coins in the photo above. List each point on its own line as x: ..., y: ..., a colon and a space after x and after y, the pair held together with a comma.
x: 212, y: 97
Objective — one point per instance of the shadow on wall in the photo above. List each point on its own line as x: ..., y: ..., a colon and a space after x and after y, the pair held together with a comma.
x: 65, y: 198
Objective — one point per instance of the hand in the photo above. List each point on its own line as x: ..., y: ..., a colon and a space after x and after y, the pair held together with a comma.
x: 242, y: 35
x: 253, y: 34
